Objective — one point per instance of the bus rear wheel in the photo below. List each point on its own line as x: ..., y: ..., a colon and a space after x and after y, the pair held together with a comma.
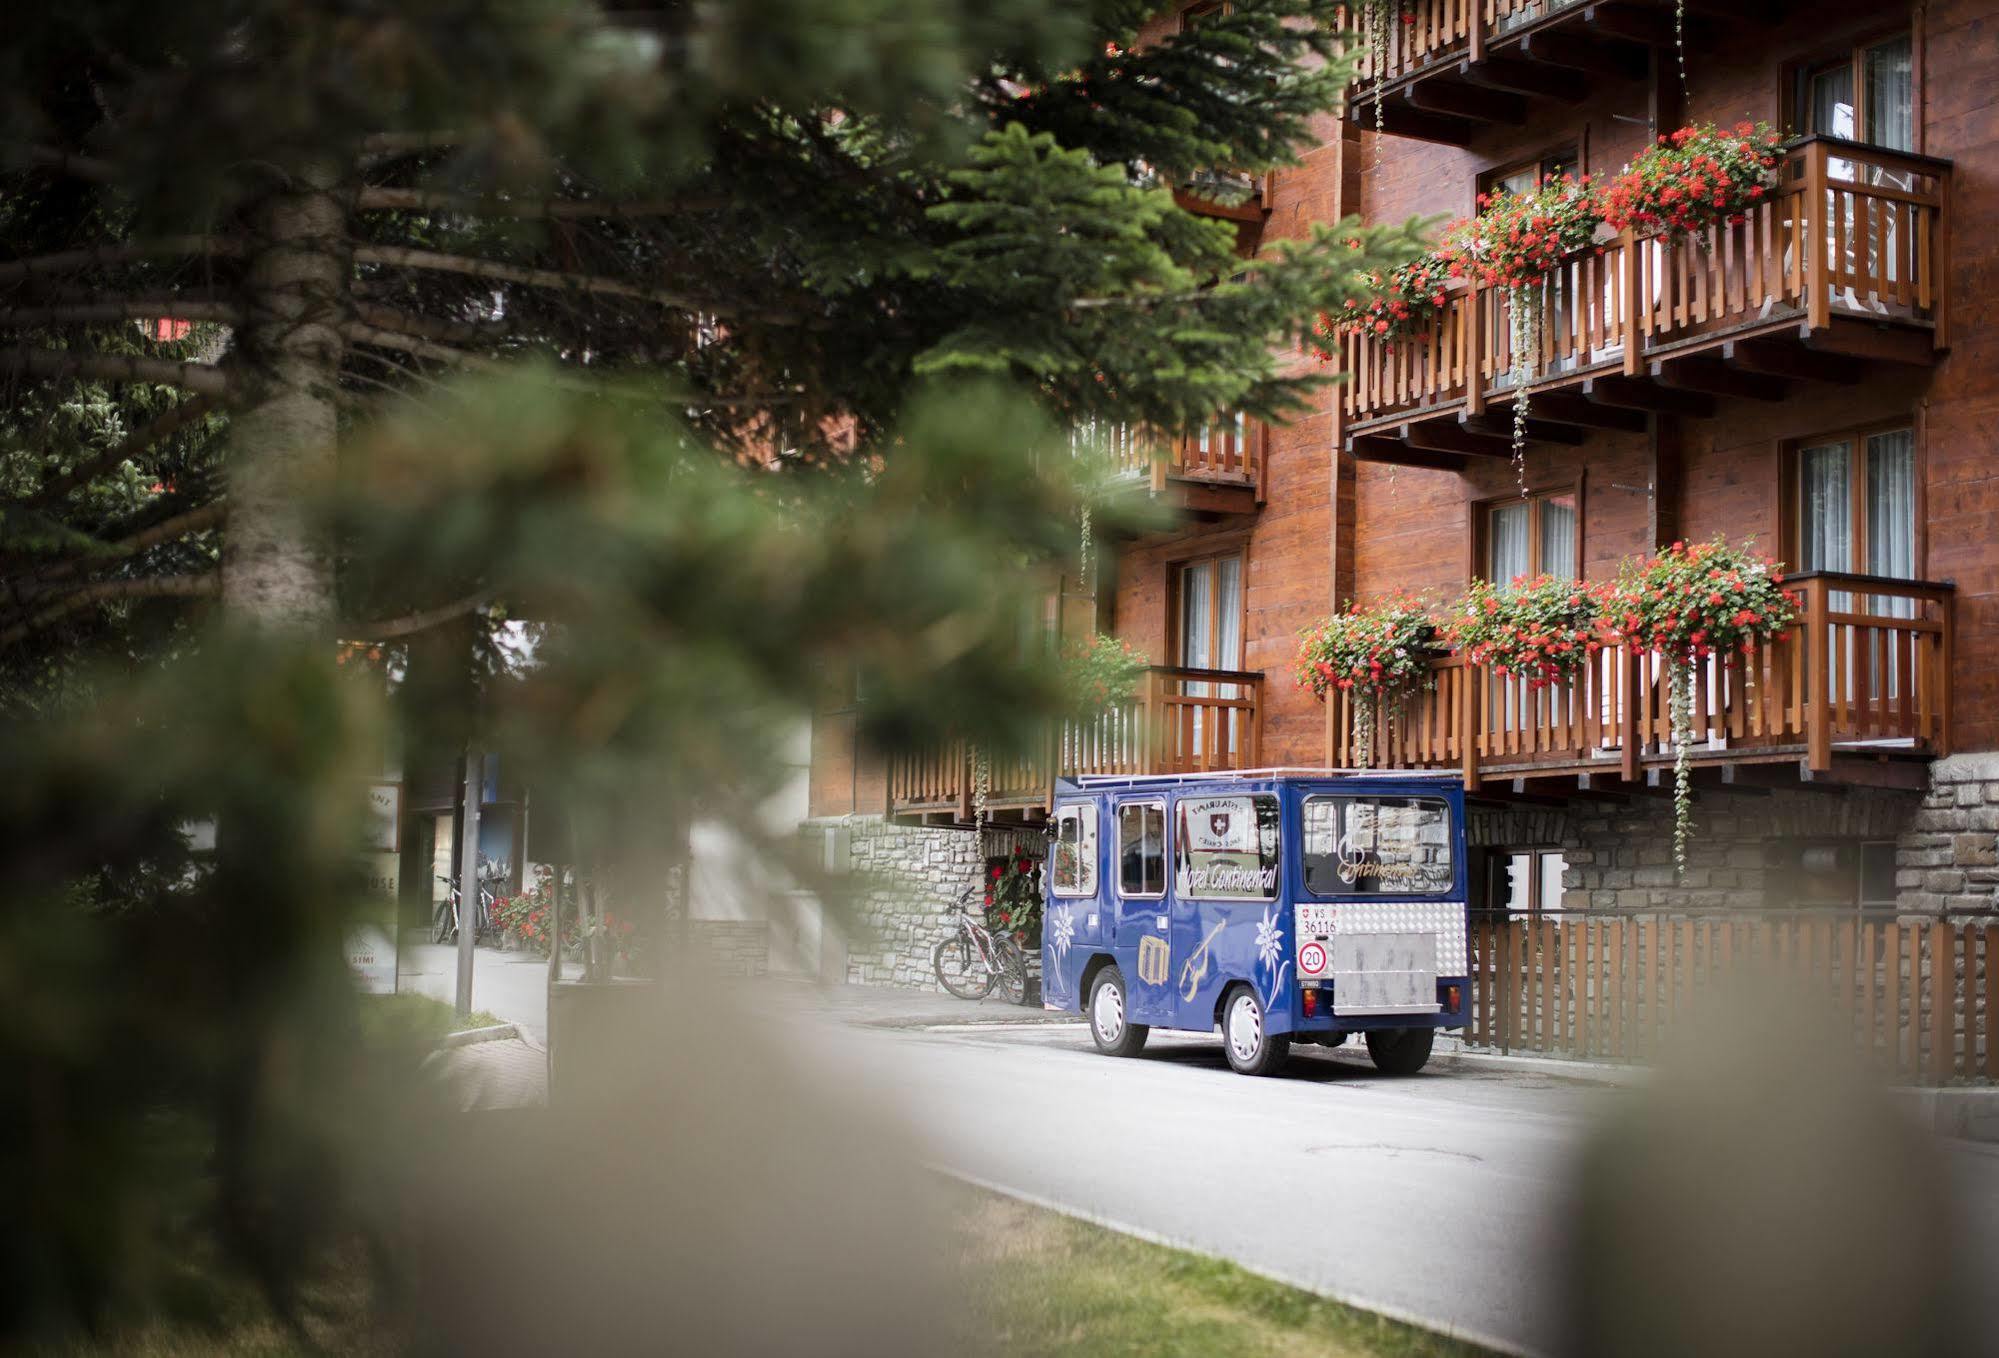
x: 1251, y: 1049
x: 1400, y: 1051
x: 1111, y: 1027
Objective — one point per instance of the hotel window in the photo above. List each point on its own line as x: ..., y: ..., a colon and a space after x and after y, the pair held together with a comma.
x: 1209, y: 621
x: 1529, y: 175
x: 1833, y: 875
x: 1865, y: 93
x: 1524, y: 881
x: 1532, y: 535
x: 1855, y: 498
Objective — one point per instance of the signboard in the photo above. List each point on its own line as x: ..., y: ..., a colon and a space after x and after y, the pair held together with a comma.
x: 1219, y: 854
x: 371, y: 943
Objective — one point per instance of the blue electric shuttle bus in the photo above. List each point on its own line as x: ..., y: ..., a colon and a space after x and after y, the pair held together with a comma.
x: 1276, y: 905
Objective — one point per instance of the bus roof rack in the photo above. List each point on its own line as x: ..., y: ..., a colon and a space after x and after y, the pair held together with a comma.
x: 1107, y: 779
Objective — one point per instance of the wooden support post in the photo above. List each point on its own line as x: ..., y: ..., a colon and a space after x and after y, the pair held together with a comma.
x: 1471, y: 698
x: 1628, y: 250
x: 1818, y: 711
x: 1818, y: 264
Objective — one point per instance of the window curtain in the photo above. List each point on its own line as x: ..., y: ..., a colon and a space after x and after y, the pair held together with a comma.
x: 1891, y: 514
x: 1197, y: 639
x: 1558, y: 536
x: 1506, y: 551
x: 1825, y: 507
x: 1891, y: 94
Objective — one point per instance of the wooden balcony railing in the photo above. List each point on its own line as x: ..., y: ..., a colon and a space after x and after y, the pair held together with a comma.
x: 1867, y: 668
x: 1919, y: 1001
x: 1851, y: 231
x: 1180, y: 721
x: 1228, y: 451
x: 1424, y: 33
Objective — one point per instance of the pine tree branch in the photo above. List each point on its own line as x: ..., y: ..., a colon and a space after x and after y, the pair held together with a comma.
x: 383, y: 338
x: 102, y: 256
x: 567, y: 209
x: 102, y: 591
x: 169, y: 423
x: 205, y: 379
x: 89, y: 168
x: 166, y: 530
x: 388, y: 629
x: 127, y: 309
x: 426, y: 327
x: 404, y: 257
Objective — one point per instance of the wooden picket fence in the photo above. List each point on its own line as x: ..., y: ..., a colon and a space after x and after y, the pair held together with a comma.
x: 1920, y: 998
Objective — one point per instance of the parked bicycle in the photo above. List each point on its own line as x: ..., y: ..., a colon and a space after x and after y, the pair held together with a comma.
x: 445, y: 920
x: 972, y: 960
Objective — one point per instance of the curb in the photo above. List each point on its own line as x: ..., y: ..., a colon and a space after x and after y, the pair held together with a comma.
x: 499, y: 1032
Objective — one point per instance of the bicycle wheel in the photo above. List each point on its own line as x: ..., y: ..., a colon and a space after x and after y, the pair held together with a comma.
x: 1012, y: 980
x: 960, y: 969
x: 440, y: 925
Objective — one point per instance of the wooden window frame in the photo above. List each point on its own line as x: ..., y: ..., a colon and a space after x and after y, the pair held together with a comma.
x: 1200, y: 10
x: 1174, y: 569
x: 1496, y: 861
x: 1857, y: 435
x: 1797, y: 72
x: 1481, y: 513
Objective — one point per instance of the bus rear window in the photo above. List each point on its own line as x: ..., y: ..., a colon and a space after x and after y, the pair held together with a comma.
x: 1386, y: 846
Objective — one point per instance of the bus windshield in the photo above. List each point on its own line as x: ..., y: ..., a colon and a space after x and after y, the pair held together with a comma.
x: 1378, y: 846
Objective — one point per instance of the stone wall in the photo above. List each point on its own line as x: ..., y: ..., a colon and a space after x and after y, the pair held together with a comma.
x: 907, y: 880
x: 1620, y: 857
x: 732, y: 947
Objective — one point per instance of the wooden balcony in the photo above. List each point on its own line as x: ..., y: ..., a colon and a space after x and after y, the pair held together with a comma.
x: 1859, y: 692
x: 1215, y: 474
x: 1241, y: 198
x: 1181, y: 721
x: 1845, y: 265
x: 1454, y: 68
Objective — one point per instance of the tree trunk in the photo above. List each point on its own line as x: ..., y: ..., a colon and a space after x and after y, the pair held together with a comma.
x: 277, y: 569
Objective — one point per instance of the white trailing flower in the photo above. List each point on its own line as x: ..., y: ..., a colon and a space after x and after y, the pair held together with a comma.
x: 1681, y: 705
x: 1521, y: 330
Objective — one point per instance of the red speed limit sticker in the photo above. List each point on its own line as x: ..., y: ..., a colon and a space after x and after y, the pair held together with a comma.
x: 1312, y: 959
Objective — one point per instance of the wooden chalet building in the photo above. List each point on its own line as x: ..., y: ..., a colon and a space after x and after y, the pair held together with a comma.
x: 1822, y: 378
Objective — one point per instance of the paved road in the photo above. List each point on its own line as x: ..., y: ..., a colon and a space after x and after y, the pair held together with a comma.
x: 1421, y: 1198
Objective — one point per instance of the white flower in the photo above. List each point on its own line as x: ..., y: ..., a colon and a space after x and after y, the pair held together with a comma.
x: 1269, y: 938
x: 1064, y: 930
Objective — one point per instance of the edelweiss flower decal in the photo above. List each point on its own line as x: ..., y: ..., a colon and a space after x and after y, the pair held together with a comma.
x: 1269, y: 948
x: 1063, y: 927
x: 1269, y: 938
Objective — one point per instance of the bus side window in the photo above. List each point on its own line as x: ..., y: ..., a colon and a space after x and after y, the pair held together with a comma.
x: 1073, y: 859
x: 1141, y: 833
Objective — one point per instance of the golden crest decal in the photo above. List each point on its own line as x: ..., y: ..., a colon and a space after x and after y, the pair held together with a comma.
x: 1152, y: 960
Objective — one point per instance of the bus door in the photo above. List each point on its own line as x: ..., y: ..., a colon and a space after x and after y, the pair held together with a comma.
x: 1139, y: 909
x: 1228, y: 922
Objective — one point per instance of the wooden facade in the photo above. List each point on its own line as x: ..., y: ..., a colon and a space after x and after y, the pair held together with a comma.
x: 1671, y: 387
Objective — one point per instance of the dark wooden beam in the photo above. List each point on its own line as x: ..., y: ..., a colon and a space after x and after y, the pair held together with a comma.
x: 1401, y: 119
x: 1538, y: 430
x: 1644, y: 26
x: 1876, y: 343
x: 1527, y: 77
x: 1606, y: 60
x: 1716, y: 378
x: 1860, y: 771
x: 1456, y: 436
x: 1783, y: 776
x: 1380, y: 448
x: 1565, y: 407
x: 1789, y: 358
x: 1472, y: 102
x: 1730, y: 778
x: 1637, y: 393
x: 1608, y: 784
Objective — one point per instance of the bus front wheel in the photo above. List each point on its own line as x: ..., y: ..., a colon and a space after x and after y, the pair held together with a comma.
x: 1110, y: 1016
x: 1400, y: 1051
x: 1251, y: 1049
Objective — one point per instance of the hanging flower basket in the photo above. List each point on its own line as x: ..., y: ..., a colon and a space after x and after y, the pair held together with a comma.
x: 1690, y: 179
x: 1685, y: 605
x: 1380, y: 655
x: 1402, y: 303
x: 1544, y: 630
x: 1518, y: 239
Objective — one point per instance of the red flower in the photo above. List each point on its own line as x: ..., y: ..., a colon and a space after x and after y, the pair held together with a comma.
x: 995, y: 872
